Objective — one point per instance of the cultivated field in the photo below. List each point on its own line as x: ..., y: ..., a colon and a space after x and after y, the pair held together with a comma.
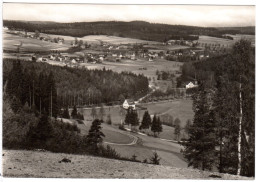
x: 214, y: 40
x: 225, y: 42
x: 28, y: 44
x: 115, y: 40
x: 134, y: 65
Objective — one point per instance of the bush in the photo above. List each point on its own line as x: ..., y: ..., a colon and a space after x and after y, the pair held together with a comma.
x: 108, y: 152
x: 122, y: 127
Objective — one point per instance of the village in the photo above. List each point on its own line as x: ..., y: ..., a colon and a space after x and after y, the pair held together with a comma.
x: 98, y: 51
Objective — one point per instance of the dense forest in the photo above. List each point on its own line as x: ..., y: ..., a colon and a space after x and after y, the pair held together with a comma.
x: 135, y: 29
x: 223, y: 131
x: 76, y: 86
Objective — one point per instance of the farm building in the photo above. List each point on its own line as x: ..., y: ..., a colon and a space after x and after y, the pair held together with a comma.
x: 191, y: 85
x: 128, y: 103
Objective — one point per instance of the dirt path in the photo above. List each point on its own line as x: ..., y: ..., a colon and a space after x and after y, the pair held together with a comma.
x: 22, y: 163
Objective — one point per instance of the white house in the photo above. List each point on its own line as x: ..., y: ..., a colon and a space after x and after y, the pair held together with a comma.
x: 191, y: 85
x: 128, y: 103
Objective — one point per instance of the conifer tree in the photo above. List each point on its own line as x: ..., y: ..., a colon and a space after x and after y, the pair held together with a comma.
x: 74, y: 113
x: 95, y: 135
x: 155, y: 159
x: 200, y: 148
x: 66, y: 113
x: 128, y: 116
x: 187, y: 126
x: 134, y: 119
x: 177, y: 131
x: 159, y: 127
x: 146, y: 122
x: 154, y: 125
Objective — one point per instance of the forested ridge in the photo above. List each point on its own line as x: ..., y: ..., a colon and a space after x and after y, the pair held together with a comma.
x: 78, y: 86
x: 135, y: 29
x: 223, y: 131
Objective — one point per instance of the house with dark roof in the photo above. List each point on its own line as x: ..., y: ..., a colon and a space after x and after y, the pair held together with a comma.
x: 128, y: 103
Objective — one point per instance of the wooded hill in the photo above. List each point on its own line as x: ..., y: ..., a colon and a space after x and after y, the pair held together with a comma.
x: 135, y: 29
x: 79, y: 86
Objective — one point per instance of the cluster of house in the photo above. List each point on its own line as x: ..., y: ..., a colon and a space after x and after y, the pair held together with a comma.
x: 36, y: 35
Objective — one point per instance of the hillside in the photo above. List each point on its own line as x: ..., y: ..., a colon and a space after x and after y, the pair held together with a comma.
x: 21, y: 163
x: 135, y: 29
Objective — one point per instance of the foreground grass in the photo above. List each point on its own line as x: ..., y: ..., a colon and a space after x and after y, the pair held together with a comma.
x: 22, y: 163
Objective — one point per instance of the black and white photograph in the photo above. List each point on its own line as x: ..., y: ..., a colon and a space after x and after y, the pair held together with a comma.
x: 128, y: 91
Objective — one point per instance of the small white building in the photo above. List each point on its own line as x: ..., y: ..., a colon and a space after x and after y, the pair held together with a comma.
x: 191, y: 85
x: 128, y: 103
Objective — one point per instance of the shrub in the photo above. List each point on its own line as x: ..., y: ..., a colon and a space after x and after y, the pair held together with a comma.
x: 109, y: 152
x: 122, y: 127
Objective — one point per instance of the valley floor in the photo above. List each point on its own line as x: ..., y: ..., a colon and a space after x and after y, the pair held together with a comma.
x: 22, y: 163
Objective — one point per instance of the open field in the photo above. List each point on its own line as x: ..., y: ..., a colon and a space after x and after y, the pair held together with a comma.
x: 115, y: 40
x: 181, y: 109
x: 225, y: 42
x: 29, y: 44
x: 214, y: 40
x: 134, y: 65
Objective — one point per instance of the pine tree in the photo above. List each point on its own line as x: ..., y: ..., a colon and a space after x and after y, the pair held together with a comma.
x: 95, y: 136
x: 177, y: 131
x: 200, y: 148
x: 74, y: 113
x: 146, y: 122
x: 128, y: 116
x: 42, y: 133
x: 177, y: 121
x: 66, y: 113
x: 155, y: 159
x: 154, y: 125
x: 159, y: 127
x: 134, y: 120
x: 187, y: 126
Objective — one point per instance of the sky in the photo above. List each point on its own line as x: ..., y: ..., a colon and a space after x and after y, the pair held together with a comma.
x: 195, y: 15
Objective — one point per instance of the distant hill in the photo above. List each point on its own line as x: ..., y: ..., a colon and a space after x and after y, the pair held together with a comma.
x: 135, y: 29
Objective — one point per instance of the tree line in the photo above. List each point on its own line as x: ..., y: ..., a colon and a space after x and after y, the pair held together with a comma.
x: 223, y: 131
x: 135, y: 29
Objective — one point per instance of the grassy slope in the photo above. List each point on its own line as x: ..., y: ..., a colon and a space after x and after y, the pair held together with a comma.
x: 19, y: 163
x: 9, y: 40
